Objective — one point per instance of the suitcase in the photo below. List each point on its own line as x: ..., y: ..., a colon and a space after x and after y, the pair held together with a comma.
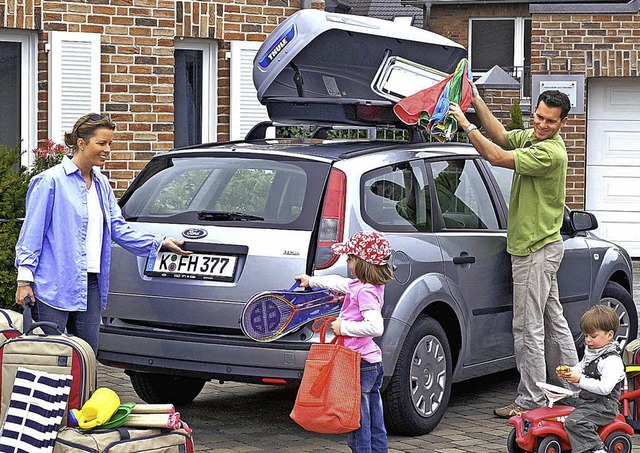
x: 124, y: 440
x: 58, y: 354
x: 12, y: 322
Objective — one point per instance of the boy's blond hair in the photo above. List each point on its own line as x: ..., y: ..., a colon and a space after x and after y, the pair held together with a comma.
x: 599, y: 317
x: 371, y: 273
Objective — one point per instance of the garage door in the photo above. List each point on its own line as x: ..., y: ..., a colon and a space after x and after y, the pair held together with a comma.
x: 613, y: 159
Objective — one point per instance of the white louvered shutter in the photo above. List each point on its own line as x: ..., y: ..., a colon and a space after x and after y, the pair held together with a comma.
x: 74, y: 79
x: 245, y: 110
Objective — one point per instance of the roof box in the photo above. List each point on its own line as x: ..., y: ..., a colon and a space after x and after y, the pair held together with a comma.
x: 326, y: 68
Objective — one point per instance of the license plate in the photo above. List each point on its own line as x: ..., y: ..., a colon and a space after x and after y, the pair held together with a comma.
x: 196, y: 266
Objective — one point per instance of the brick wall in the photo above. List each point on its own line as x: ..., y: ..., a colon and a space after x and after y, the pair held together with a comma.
x: 598, y: 45
x: 137, y: 38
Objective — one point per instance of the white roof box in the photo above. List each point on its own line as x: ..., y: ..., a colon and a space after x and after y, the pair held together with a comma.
x: 326, y: 68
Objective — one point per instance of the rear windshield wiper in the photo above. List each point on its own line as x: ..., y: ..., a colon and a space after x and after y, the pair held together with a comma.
x: 224, y: 215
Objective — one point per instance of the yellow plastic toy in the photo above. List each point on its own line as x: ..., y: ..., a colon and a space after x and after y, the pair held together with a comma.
x: 98, y: 409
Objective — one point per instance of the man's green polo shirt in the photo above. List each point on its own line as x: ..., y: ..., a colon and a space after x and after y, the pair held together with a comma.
x: 537, y: 192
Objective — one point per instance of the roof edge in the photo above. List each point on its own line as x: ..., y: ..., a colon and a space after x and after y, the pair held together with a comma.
x: 633, y: 6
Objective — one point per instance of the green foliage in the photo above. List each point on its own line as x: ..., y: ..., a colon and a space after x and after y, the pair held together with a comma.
x: 246, y: 192
x: 14, y: 180
x: 47, y: 155
x: 516, y: 117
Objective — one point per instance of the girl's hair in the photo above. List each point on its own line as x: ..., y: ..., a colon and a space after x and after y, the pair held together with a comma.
x: 599, y: 317
x: 85, y: 128
x: 371, y: 273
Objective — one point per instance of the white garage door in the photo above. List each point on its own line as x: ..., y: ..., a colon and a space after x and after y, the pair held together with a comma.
x: 613, y: 159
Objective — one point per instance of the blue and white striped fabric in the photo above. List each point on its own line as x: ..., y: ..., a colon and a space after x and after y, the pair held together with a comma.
x: 38, y: 403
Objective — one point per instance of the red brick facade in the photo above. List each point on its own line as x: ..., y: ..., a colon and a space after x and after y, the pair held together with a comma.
x: 137, y: 71
x: 598, y: 45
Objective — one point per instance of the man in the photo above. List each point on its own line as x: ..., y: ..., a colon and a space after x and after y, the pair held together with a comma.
x: 539, y: 159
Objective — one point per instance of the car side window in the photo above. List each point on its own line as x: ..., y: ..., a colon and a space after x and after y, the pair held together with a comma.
x: 396, y: 198
x: 462, y: 195
x: 503, y: 177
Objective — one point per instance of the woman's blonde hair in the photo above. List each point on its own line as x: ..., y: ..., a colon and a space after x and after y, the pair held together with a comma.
x: 599, y: 317
x: 371, y: 273
x: 85, y: 128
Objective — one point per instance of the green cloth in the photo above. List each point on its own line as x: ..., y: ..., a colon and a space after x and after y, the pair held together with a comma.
x: 537, y: 200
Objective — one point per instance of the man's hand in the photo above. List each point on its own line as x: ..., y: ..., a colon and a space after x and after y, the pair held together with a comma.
x: 304, y: 280
x: 456, y: 111
x: 173, y: 245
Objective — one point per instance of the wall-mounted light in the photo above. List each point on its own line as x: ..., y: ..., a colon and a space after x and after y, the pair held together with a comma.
x: 547, y: 64
x: 568, y: 64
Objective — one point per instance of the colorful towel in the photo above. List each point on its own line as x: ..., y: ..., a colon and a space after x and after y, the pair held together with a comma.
x: 430, y: 107
x: 38, y: 402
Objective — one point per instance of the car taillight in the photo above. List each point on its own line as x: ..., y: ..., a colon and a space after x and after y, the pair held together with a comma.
x: 332, y: 221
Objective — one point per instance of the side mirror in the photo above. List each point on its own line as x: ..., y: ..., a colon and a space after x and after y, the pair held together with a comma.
x: 583, y: 221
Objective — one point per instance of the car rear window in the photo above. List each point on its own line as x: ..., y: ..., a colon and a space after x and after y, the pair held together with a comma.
x: 253, y: 191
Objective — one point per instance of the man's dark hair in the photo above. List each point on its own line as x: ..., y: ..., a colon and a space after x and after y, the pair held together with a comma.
x: 555, y: 98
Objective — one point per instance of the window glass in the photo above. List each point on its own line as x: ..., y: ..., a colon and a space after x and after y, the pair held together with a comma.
x: 10, y: 88
x: 503, y: 176
x: 270, y: 191
x: 492, y: 43
x: 462, y: 196
x: 188, y: 97
x: 396, y: 198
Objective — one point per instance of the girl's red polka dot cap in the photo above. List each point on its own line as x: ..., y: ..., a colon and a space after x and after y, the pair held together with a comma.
x: 370, y: 246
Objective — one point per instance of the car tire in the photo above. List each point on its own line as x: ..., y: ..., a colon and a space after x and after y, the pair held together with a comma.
x: 418, y: 393
x: 616, y: 297
x: 512, y: 445
x: 163, y: 388
x: 618, y: 442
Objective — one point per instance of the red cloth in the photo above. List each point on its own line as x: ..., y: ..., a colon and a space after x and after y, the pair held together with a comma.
x: 410, y: 108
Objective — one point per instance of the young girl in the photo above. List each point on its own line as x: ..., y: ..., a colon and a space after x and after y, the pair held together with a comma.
x: 360, y: 320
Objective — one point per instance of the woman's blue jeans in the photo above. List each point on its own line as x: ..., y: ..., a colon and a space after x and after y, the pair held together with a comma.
x: 83, y: 324
x: 371, y: 437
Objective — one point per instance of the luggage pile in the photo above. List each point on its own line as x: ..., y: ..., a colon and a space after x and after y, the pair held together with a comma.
x: 49, y: 401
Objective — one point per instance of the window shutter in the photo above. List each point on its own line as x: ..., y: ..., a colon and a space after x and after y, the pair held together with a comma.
x: 245, y: 110
x: 74, y: 79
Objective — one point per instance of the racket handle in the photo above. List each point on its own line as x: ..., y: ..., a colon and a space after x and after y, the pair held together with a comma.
x: 295, y: 285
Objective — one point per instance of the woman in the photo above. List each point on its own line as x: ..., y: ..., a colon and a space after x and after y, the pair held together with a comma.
x: 64, y: 249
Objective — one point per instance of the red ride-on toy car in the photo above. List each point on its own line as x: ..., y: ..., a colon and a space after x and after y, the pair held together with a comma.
x: 542, y: 430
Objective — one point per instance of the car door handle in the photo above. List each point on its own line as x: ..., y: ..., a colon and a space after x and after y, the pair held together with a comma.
x: 464, y: 259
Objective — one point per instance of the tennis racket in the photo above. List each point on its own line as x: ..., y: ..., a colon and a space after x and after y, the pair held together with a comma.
x: 270, y: 315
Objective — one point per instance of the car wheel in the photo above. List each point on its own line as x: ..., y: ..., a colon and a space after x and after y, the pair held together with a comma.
x: 512, y: 445
x: 419, y: 390
x: 549, y: 445
x: 162, y: 388
x: 616, y: 297
x: 618, y: 443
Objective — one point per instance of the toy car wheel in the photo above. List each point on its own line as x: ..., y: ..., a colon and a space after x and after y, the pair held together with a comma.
x: 549, y: 445
x: 512, y: 445
x: 618, y: 443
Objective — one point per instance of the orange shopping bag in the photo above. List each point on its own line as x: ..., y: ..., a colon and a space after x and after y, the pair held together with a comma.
x: 328, y: 399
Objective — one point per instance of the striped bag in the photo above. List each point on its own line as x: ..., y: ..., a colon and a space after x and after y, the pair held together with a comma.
x: 38, y: 402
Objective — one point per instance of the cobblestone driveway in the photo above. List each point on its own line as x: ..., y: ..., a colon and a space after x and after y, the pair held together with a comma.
x: 243, y: 418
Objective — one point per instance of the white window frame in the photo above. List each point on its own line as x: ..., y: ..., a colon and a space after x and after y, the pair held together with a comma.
x: 28, y: 89
x: 518, y: 44
x: 241, y: 81
x: 64, y: 107
x: 209, y: 49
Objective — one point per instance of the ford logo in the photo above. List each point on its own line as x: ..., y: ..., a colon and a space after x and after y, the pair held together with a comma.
x: 194, y: 233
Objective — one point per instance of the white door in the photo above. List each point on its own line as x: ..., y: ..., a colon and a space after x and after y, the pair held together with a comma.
x: 613, y: 159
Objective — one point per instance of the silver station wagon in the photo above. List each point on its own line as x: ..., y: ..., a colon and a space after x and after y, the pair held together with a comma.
x: 259, y: 211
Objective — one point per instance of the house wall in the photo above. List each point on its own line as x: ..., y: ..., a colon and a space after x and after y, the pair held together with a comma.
x: 598, y: 45
x: 137, y: 70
